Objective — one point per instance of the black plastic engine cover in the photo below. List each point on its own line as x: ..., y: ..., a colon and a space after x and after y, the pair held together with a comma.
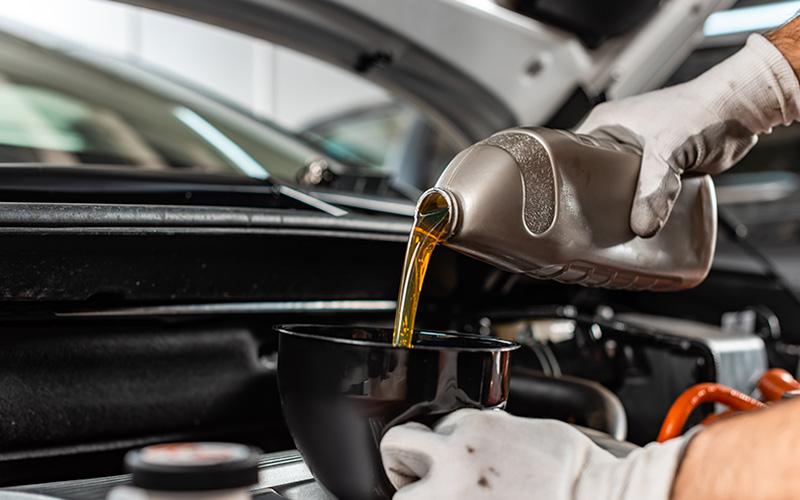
x: 96, y: 390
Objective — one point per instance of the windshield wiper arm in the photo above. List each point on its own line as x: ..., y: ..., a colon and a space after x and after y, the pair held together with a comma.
x: 70, y: 184
x: 312, y: 201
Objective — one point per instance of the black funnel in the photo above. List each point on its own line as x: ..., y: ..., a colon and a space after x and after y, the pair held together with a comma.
x: 343, y: 387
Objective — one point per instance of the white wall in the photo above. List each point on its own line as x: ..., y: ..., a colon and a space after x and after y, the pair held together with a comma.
x: 271, y: 81
x: 105, y: 25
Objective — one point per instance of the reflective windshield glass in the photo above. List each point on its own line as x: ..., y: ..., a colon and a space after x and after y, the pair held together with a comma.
x: 60, y: 110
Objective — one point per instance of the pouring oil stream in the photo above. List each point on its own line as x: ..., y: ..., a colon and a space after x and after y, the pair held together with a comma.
x: 431, y: 223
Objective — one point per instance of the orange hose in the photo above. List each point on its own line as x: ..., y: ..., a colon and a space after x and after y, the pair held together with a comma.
x: 695, y: 396
x: 775, y: 382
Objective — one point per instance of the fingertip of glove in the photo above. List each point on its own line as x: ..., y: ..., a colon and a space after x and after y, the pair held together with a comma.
x: 403, y: 453
x: 650, y: 212
x: 399, y: 479
x: 646, y: 228
x: 644, y: 221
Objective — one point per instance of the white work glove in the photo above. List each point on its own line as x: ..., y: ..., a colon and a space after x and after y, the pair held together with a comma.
x: 704, y: 125
x: 472, y: 454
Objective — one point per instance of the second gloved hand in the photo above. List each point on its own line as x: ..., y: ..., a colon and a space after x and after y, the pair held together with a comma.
x: 704, y: 125
x: 472, y: 454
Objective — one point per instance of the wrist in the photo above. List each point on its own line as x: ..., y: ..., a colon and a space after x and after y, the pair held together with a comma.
x: 691, y: 472
x: 647, y: 472
x: 756, y: 87
x: 787, y: 40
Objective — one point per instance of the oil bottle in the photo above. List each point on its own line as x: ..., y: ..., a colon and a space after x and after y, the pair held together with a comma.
x: 556, y: 205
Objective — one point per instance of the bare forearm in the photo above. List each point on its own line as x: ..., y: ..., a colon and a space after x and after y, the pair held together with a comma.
x: 752, y: 457
x: 787, y: 40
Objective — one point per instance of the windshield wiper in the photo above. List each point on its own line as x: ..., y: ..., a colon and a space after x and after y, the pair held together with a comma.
x: 312, y: 201
x: 123, y: 185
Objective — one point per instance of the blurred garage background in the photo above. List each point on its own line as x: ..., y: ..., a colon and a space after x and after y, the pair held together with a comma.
x: 268, y: 80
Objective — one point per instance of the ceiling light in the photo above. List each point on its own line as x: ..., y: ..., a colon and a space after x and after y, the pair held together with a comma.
x: 758, y: 18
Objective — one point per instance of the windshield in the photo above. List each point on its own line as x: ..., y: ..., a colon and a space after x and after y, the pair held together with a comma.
x: 61, y: 110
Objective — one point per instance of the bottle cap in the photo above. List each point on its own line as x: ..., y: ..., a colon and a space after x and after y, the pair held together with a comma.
x: 193, y: 466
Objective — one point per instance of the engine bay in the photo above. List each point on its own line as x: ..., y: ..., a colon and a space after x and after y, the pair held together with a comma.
x: 191, y: 354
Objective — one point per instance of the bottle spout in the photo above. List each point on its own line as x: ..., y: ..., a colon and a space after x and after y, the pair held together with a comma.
x: 437, y: 211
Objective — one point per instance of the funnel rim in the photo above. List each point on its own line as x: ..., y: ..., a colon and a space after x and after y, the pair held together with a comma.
x: 498, y: 344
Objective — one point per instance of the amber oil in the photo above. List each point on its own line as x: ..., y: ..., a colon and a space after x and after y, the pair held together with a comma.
x: 431, y: 224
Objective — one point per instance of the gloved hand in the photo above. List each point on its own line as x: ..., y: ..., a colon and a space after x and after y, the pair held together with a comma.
x: 472, y: 454
x: 704, y: 125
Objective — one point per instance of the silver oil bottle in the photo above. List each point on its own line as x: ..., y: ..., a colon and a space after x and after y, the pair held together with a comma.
x: 555, y: 205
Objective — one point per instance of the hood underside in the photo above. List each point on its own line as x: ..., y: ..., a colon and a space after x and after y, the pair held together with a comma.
x: 471, y: 65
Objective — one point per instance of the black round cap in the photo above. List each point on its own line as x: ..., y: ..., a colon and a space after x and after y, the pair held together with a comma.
x: 193, y: 466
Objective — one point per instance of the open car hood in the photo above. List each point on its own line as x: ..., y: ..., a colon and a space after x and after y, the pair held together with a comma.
x: 471, y: 65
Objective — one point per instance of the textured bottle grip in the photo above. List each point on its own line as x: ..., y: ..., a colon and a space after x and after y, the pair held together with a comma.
x: 538, y: 179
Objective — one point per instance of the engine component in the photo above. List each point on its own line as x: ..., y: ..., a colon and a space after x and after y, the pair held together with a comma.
x: 775, y: 383
x: 646, y: 361
x: 208, y: 471
x: 571, y: 399
x: 738, y: 359
x: 695, y: 396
